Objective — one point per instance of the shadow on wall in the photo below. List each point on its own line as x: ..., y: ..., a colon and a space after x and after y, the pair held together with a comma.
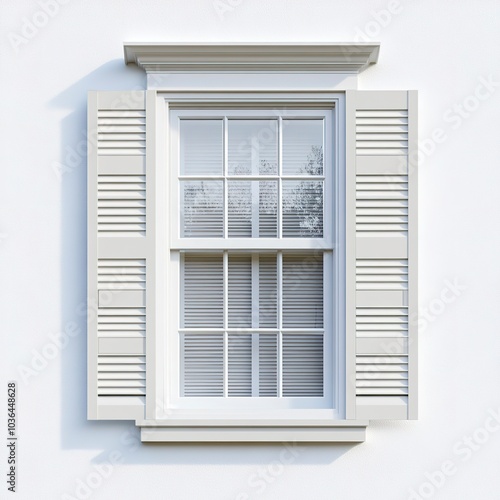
x: 107, y: 437
x: 76, y: 431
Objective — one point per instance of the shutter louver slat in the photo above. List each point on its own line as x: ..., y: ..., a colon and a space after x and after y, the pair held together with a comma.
x: 119, y: 274
x: 382, y: 376
x: 121, y: 205
x: 375, y: 133
x: 388, y: 187
x: 111, y: 128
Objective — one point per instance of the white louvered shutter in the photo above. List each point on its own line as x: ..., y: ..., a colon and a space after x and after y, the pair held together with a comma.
x: 120, y: 252
x: 381, y: 267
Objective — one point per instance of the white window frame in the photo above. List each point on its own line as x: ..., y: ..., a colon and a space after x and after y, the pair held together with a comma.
x: 259, y: 406
x: 167, y: 358
x: 178, y: 243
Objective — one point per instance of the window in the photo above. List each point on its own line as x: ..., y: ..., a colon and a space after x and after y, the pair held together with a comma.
x: 252, y: 225
x: 252, y: 245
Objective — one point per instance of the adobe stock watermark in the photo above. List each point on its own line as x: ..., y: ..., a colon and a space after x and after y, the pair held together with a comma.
x: 260, y: 480
x: 75, y: 155
x: 222, y: 7
x: 130, y: 441
x: 394, y: 347
x: 58, y: 341
x: 461, y: 111
x: 31, y: 26
x: 437, y: 306
x: 463, y: 450
x: 380, y: 20
x: 86, y: 485
x: 455, y: 116
x: 40, y: 359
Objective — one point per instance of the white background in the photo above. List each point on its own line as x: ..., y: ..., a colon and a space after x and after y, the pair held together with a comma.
x: 441, y: 50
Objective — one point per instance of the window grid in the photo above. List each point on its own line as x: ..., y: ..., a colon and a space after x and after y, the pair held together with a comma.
x: 225, y: 177
x: 255, y: 331
x: 252, y: 171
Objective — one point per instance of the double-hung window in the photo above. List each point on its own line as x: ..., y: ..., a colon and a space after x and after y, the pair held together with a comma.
x: 252, y: 224
x: 252, y: 268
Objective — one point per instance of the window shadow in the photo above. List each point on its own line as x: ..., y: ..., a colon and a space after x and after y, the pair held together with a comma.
x: 76, y: 431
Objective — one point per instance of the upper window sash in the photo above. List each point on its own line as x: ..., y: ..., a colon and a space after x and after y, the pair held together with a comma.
x: 225, y: 185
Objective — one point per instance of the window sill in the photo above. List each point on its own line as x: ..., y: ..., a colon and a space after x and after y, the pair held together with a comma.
x: 241, y: 431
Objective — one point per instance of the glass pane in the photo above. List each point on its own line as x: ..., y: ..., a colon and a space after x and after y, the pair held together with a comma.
x: 302, y: 147
x: 202, y: 291
x: 202, y: 209
x: 268, y: 209
x: 239, y: 365
x: 268, y: 291
x: 202, y: 365
x: 303, y: 209
x: 302, y: 365
x: 239, y: 200
x: 242, y: 376
x: 303, y: 290
x: 201, y: 147
x: 239, y: 291
x: 253, y: 147
x: 268, y: 365
x: 252, y: 209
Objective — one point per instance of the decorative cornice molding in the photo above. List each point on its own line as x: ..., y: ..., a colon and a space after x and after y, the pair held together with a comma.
x: 252, y: 57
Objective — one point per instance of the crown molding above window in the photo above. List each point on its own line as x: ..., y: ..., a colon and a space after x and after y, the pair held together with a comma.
x: 345, y: 58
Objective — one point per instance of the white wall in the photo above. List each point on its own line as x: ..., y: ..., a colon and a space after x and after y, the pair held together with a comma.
x: 445, y: 51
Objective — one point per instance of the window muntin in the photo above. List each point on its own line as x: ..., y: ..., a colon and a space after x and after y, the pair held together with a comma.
x: 260, y: 215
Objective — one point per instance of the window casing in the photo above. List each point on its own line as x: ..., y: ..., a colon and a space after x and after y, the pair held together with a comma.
x: 252, y: 241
